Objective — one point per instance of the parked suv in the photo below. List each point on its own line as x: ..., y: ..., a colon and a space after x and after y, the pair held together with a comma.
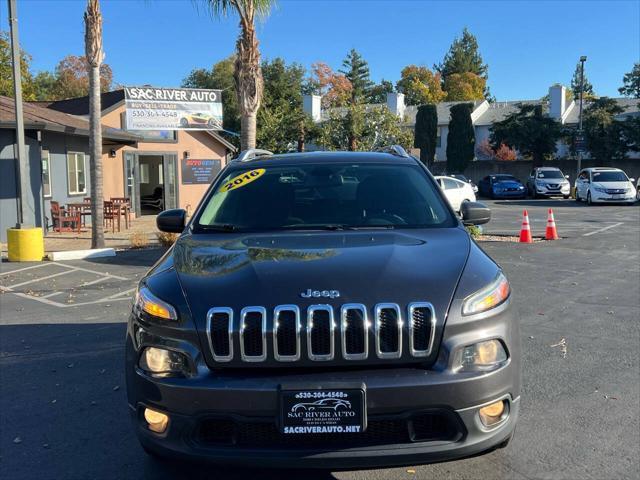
x: 548, y: 182
x: 605, y: 185
x: 323, y: 310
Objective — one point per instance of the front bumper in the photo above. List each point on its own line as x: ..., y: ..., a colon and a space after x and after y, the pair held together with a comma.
x: 599, y: 197
x: 562, y: 192
x: 512, y: 194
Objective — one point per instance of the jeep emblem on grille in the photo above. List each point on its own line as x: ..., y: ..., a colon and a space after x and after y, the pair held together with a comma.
x: 320, y: 293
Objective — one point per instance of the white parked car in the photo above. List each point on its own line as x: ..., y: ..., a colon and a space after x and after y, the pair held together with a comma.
x: 605, y: 185
x: 456, y: 191
x: 638, y: 190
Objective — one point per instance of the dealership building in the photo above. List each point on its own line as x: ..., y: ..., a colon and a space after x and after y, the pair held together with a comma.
x: 155, y: 169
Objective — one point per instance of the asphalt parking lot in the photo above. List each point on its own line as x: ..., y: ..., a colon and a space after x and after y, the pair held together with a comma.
x: 63, y: 411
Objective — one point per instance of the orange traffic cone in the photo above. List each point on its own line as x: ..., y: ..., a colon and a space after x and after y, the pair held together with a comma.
x: 525, y: 231
x: 552, y: 233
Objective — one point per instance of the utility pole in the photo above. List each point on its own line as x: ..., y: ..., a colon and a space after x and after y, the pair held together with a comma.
x: 22, y: 166
x: 580, y: 139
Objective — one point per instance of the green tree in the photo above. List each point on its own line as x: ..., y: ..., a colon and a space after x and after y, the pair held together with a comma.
x: 6, y: 72
x: 219, y: 77
x: 631, y: 83
x: 631, y: 133
x: 464, y: 87
x: 426, y: 133
x: 94, y: 56
x: 356, y: 70
x: 575, y: 85
x: 247, y: 72
x: 420, y: 85
x: 530, y: 131
x: 461, y: 138
x: 604, y: 134
x: 44, y: 83
x: 464, y: 57
x: 378, y: 93
x: 282, y: 125
x: 371, y: 127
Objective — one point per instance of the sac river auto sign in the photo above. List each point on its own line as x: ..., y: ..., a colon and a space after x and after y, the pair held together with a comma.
x: 149, y: 108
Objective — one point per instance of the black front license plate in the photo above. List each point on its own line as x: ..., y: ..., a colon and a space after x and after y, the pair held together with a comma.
x: 317, y: 412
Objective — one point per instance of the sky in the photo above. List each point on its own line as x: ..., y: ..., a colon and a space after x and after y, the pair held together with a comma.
x: 528, y: 45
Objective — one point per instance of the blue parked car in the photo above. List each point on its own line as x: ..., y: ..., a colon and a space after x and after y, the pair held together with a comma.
x: 501, y: 185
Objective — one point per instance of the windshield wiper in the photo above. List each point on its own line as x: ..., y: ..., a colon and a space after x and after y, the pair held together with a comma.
x: 317, y: 226
x: 223, y: 227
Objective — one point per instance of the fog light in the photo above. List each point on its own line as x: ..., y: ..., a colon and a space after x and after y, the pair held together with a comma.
x: 493, y: 414
x: 156, y: 421
x: 162, y: 361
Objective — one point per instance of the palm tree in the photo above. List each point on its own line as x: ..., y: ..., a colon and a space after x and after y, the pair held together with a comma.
x: 95, y: 55
x: 247, y: 74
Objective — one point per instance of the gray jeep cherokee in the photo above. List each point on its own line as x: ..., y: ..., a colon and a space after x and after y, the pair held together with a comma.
x: 323, y: 310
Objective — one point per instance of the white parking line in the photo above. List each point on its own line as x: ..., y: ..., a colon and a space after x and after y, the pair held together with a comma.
x: 602, y: 229
x: 102, y: 276
x: 40, y: 278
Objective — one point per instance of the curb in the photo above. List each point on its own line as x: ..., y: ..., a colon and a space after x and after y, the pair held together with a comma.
x: 81, y: 254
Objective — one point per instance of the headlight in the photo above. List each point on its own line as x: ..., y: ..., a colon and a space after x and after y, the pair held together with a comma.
x: 489, y: 297
x: 149, y: 303
x: 162, y: 361
x: 601, y: 190
x: 485, y: 355
x: 539, y: 183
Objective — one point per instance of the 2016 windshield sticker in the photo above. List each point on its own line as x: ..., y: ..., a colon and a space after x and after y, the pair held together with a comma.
x: 242, y: 180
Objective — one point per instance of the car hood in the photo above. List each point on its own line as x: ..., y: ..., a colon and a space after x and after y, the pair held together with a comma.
x: 232, y: 270
x: 616, y: 185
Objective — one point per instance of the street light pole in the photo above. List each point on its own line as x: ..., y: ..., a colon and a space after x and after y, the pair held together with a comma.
x: 583, y: 59
x: 22, y: 161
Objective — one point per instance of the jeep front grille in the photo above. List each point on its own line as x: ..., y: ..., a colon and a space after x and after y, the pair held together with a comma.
x: 320, y: 334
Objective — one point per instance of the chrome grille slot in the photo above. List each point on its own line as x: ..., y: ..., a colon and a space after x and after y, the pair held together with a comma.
x: 422, y: 328
x: 219, y: 333
x: 320, y: 332
x: 286, y: 333
x: 388, y: 329
x: 355, y: 331
x: 253, y: 340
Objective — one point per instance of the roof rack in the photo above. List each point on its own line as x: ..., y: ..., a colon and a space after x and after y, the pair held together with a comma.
x: 252, y: 154
x: 396, y: 150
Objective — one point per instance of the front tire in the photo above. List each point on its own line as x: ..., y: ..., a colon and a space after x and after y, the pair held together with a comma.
x: 589, y: 202
x: 566, y: 197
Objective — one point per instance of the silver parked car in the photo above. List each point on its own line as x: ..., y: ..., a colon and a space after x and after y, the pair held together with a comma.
x: 548, y: 182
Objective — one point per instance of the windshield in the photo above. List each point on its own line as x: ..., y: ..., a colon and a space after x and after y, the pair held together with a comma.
x: 609, y: 177
x: 550, y: 174
x: 505, y: 178
x: 324, y: 196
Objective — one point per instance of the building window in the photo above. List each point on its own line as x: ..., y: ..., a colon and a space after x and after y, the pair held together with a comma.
x: 144, y: 173
x: 75, y: 173
x: 438, y: 141
x: 46, y: 174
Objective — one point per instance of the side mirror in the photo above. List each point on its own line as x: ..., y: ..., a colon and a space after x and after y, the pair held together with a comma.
x: 567, y: 177
x: 475, y: 213
x: 171, y: 221
x: 632, y: 180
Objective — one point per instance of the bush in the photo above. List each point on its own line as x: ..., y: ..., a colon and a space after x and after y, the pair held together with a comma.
x: 138, y: 240
x: 167, y: 239
x: 474, y: 230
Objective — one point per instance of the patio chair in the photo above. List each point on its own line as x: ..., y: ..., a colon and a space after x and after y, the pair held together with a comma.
x: 111, y: 214
x: 125, y: 208
x: 63, y: 220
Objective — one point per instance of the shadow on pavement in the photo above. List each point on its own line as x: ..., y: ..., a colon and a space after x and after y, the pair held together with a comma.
x: 143, y: 257
x: 64, y: 410
x: 546, y: 203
